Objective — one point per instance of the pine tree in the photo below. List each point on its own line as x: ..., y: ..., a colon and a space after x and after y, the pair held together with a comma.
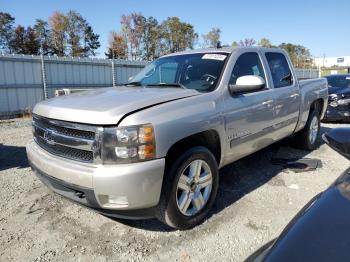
x: 91, y: 42
x: 43, y: 32
x: 6, y: 32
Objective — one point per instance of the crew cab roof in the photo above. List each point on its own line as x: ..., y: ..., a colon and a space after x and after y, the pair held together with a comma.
x: 227, y: 50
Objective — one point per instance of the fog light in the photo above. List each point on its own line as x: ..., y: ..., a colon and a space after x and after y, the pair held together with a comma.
x: 113, y: 201
x: 334, y: 104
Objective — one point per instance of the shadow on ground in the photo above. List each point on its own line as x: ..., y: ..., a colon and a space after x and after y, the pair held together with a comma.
x: 12, y: 157
x: 241, y: 178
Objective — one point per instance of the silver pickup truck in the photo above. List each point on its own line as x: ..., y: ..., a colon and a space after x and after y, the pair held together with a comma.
x: 154, y: 147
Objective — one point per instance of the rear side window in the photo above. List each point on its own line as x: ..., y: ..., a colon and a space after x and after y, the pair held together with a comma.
x: 280, y: 71
x: 247, y: 64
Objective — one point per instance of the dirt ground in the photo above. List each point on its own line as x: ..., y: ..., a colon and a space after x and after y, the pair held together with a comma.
x: 256, y: 200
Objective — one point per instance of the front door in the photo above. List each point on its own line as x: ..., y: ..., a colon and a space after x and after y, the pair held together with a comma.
x: 248, y: 116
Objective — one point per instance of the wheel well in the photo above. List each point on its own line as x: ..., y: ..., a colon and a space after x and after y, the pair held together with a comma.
x: 209, y: 139
x: 317, y: 105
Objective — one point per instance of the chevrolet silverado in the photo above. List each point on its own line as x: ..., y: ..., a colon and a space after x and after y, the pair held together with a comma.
x: 154, y: 147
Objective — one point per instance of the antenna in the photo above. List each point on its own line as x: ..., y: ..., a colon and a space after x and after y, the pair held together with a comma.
x: 218, y: 45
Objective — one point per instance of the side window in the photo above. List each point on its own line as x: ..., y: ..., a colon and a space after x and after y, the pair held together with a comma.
x: 280, y: 71
x: 247, y: 64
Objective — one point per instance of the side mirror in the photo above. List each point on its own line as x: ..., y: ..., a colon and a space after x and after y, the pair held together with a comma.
x: 339, y: 140
x: 245, y: 84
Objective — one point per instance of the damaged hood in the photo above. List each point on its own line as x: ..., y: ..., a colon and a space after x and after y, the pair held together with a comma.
x: 107, y: 106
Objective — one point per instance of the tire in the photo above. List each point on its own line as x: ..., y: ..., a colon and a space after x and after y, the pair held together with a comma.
x: 307, y: 138
x: 181, y: 206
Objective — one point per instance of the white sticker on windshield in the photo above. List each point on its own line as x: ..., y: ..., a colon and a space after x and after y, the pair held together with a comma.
x: 347, y: 78
x: 214, y: 57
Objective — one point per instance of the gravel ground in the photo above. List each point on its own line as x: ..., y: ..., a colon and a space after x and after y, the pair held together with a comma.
x: 256, y: 200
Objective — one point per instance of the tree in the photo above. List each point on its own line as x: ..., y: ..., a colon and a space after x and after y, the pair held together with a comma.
x: 72, y: 35
x: 264, y: 42
x: 247, y: 42
x: 6, y: 32
x: 146, y: 39
x: 58, y: 24
x: 299, y: 55
x: 75, y: 29
x: 150, y: 39
x: 212, y: 38
x: 176, y: 35
x: 25, y: 41
x: 234, y: 44
x: 117, y: 46
x: 91, y: 41
x: 43, y: 32
x: 133, y: 29
x: 32, y: 43
x: 18, y: 42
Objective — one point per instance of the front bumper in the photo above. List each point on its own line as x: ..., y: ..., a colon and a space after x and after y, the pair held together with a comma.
x: 90, y: 185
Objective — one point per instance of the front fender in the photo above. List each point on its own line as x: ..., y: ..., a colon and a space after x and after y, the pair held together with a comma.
x: 179, y: 119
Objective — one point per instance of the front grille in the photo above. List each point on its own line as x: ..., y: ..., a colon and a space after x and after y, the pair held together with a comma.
x: 54, y: 125
x: 64, y: 139
x: 67, y: 152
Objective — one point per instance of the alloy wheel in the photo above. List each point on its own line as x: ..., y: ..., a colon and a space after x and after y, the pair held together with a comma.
x: 194, y: 188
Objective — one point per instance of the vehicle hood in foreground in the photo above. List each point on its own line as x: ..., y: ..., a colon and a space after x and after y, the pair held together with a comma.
x: 320, y: 231
x: 107, y: 106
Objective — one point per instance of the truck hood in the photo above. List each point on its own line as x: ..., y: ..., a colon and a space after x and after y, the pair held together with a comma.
x: 107, y: 106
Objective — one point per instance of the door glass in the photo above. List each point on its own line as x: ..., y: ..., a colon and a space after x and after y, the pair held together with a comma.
x: 247, y: 64
x: 280, y: 71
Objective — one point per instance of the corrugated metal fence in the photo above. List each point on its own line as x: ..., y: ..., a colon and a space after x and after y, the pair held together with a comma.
x: 21, y: 78
x: 307, y: 73
x: 22, y: 81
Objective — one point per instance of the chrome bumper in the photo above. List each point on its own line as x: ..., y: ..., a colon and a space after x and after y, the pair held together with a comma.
x: 138, y: 184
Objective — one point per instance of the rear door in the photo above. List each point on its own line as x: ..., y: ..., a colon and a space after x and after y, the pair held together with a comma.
x: 285, y: 92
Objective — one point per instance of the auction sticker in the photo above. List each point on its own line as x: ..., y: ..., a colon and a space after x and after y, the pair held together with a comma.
x: 214, y: 57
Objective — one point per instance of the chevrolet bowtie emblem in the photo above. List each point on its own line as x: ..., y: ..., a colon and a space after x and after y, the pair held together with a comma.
x: 48, y: 137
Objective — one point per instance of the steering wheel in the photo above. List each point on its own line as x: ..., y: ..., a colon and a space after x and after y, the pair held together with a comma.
x: 208, y: 78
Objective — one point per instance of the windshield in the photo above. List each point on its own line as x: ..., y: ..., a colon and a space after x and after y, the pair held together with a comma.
x: 339, y: 81
x: 193, y: 71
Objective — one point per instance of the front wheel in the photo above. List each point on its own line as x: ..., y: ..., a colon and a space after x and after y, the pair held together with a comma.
x: 307, y: 138
x: 189, y: 189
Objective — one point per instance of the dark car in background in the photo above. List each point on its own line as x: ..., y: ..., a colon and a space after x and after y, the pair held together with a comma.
x: 339, y: 98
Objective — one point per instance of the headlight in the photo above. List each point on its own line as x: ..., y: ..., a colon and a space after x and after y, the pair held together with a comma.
x: 128, y: 144
x: 344, y: 101
x: 332, y: 96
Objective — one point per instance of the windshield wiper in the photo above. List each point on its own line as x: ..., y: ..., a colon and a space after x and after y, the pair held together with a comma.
x: 133, y: 84
x: 168, y: 85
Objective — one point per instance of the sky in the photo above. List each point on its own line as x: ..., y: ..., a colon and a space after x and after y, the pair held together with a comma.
x: 322, y: 26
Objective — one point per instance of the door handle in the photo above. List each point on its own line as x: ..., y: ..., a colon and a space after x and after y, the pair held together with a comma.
x: 294, y: 95
x: 267, y: 102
